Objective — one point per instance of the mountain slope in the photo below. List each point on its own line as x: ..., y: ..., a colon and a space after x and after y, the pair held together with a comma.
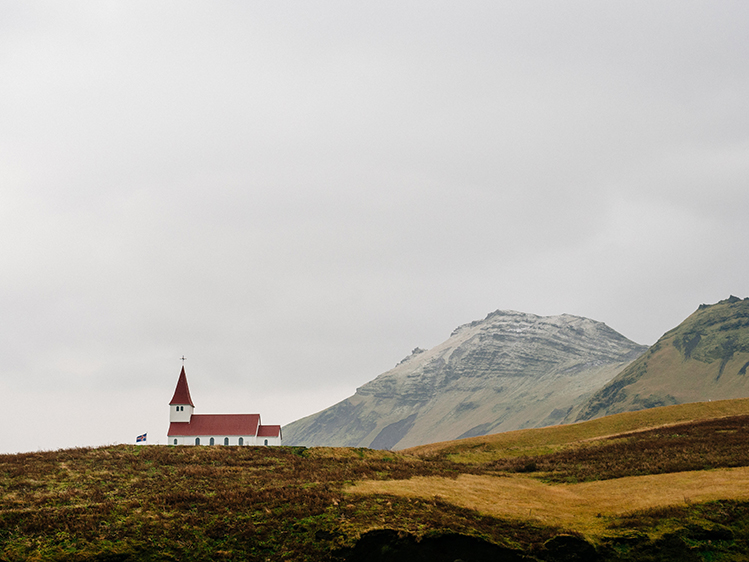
x: 706, y: 357
x: 509, y: 371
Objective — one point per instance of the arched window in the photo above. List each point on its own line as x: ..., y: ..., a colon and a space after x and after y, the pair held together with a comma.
x: 226, y: 440
x: 266, y: 442
x: 197, y: 440
x: 175, y: 441
x: 241, y: 441
x: 213, y: 441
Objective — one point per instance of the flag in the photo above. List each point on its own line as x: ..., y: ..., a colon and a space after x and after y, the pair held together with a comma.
x: 141, y: 438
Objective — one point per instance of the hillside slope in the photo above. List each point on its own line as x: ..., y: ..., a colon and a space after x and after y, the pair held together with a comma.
x: 706, y: 357
x: 511, y: 370
x: 511, y: 444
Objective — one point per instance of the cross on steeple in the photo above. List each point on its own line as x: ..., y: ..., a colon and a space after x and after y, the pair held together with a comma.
x: 183, y: 359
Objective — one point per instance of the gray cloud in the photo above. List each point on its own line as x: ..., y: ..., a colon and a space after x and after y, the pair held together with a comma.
x: 295, y: 196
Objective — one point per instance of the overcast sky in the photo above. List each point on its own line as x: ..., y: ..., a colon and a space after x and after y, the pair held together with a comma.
x: 294, y: 195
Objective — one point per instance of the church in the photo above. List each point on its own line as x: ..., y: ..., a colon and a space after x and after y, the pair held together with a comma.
x: 187, y: 428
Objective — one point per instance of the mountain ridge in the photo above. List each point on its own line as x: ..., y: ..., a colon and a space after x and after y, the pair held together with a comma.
x: 507, y: 371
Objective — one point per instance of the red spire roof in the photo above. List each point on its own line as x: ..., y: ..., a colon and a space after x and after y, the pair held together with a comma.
x: 182, y: 392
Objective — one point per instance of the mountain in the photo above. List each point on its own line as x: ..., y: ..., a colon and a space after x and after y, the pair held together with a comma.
x: 509, y: 371
x: 706, y: 357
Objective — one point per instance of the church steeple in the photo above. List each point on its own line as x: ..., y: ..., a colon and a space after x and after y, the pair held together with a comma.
x: 182, y: 392
x: 181, y: 406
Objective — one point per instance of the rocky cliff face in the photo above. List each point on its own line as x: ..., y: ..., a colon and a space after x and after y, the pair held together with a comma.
x: 509, y: 371
x: 706, y: 357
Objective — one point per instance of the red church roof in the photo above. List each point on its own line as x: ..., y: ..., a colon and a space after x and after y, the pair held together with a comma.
x: 269, y: 431
x: 182, y: 392
x: 217, y: 424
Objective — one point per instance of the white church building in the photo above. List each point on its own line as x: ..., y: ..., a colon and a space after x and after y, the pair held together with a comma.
x: 188, y: 428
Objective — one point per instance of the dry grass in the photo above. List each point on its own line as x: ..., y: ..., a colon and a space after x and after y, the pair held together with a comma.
x: 585, y: 507
x: 532, y: 442
x: 195, y: 503
x: 701, y: 445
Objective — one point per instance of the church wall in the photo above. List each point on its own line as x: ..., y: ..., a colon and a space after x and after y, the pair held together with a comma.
x: 219, y: 440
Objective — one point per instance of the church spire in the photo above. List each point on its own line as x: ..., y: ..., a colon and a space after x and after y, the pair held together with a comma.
x: 182, y: 392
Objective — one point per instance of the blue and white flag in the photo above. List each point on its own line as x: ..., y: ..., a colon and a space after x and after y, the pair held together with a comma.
x: 141, y: 438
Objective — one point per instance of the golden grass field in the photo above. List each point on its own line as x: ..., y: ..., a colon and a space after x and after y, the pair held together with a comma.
x: 586, y: 507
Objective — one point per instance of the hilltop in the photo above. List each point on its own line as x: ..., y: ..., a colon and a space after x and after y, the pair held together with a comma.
x: 663, y: 484
x: 508, y: 371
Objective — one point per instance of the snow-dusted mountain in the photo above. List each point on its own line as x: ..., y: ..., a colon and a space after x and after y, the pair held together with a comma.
x: 508, y: 371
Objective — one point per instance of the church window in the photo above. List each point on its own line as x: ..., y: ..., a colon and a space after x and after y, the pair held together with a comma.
x: 241, y: 441
x: 266, y: 442
x: 226, y: 440
x: 175, y: 441
x: 197, y: 440
x: 213, y: 441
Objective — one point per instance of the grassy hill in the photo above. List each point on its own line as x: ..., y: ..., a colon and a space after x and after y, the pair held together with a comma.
x: 662, y: 484
x: 705, y: 357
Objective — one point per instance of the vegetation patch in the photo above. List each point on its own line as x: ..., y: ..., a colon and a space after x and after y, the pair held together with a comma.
x: 704, y: 445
